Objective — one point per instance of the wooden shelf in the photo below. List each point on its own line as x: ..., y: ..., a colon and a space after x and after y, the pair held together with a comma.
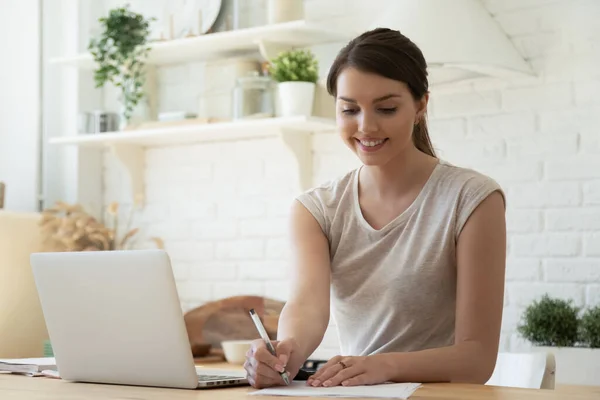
x: 268, y: 39
x: 197, y: 133
x: 128, y: 146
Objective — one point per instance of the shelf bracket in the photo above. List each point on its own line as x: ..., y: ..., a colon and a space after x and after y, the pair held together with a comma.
x: 269, y: 50
x: 132, y: 158
x: 299, y: 144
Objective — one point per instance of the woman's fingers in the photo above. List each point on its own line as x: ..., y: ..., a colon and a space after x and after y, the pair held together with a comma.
x: 317, y: 375
x: 358, y: 380
x: 261, y: 375
x: 343, y: 375
x: 264, y: 370
x: 263, y: 355
x: 326, y: 373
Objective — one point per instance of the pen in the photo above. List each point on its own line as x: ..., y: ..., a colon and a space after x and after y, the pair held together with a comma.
x: 265, y: 337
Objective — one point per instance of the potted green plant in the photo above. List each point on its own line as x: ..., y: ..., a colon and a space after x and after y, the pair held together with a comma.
x: 120, y: 52
x: 296, y: 72
x: 590, y: 328
x: 554, y: 325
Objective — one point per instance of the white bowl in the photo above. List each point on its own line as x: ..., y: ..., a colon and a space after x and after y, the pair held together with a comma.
x: 235, y: 350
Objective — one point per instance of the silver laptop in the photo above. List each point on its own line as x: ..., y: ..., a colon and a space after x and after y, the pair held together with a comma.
x: 115, y: 317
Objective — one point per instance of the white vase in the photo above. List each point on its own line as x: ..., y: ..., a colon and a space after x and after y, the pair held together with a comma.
x: 122, y: 120
x: 139, y: 114
x: 279, y: 11
x: 296, y: 98
x: 575, y: 365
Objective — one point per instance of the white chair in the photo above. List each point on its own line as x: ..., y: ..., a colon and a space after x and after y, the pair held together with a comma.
x: 524, y: 370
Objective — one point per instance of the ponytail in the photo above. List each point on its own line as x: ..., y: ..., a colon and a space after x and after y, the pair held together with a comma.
x: 421, y: 138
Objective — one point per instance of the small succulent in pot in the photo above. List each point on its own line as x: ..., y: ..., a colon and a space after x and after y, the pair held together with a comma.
x: 297, y: 72
x: 295, y: 66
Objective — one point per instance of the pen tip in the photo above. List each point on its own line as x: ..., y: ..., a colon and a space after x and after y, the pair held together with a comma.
x: 252, y: 311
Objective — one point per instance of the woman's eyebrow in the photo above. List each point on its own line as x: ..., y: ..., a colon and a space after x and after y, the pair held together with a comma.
x: 387, y: 96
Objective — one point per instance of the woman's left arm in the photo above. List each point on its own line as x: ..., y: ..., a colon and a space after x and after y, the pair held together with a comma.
x: 481, y: 260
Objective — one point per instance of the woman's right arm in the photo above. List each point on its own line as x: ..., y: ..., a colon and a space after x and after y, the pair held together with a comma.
x: 305, y: 316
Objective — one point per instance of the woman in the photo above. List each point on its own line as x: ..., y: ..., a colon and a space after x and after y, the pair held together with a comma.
x: 412, y: 248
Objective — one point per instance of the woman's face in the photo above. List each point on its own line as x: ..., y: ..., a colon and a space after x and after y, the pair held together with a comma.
x: 376, y: 115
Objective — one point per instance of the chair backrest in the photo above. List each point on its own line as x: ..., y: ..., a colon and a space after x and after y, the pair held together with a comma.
x: 22, y: 324
x: 524, y: 370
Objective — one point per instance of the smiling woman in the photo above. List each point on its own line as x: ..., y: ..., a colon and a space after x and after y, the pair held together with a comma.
x: 408, y: 249
x: 404, y: 85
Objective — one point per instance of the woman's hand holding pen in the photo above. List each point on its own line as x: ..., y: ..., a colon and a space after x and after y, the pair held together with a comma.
x: 263, y: 369
x: 353, y: 371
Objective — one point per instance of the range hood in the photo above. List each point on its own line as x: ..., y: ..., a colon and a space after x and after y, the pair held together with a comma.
x: 459, y: 38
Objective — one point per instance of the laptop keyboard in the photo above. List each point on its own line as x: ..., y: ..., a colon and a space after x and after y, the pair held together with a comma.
x: 207, y: 378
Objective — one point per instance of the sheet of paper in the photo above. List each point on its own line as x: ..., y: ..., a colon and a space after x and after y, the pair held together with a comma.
x: 29, y: 361
x: 27, y: 366
x: 383, y: 391
x: 50, y: 373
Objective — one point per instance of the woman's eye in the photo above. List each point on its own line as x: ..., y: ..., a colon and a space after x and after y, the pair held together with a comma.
x: 352, y: 111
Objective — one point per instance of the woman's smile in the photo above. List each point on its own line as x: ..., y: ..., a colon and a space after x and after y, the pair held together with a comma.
x: 371, y: 145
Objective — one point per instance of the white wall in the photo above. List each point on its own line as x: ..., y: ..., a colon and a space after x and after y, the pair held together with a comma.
x: 20, y: 102
x: 67, y: 26
x: 222, y: 208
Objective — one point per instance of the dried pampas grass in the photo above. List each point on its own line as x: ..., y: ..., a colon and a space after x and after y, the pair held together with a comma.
x: 68, y: 227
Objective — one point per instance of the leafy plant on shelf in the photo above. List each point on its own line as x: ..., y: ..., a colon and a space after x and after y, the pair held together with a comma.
x: 68, y: 227
x: 120, y: 52
x: 550, y: 322
x: 590, y: 327
x: 294, y: 66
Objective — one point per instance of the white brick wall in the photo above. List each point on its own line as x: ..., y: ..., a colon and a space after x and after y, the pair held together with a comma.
x: 222, y: 208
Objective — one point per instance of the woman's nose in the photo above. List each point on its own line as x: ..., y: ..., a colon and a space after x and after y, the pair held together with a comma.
x: 368, y: 123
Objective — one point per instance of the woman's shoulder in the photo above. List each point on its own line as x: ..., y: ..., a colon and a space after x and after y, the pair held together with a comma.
x: 469, y: 188
x: 465, y: 180
x: 330, y: 192
x: 324, y: 200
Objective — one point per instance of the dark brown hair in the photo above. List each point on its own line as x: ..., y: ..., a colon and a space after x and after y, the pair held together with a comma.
x: 388, y: 53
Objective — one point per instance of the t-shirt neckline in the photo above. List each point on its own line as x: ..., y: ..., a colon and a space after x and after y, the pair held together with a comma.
x: 399, y: 219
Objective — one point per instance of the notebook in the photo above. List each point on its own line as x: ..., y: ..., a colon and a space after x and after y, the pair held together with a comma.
x: 382, y: 391
x: 28, y: 366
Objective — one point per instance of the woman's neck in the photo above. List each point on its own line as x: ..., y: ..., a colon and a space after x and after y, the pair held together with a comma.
x: 398, y: 176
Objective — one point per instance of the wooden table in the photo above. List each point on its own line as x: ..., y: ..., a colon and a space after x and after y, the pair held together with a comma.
x: 16, y: 387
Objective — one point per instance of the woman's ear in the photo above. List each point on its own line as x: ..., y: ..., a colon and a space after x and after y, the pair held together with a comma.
x: 423, y: 104
x: 422, y: 107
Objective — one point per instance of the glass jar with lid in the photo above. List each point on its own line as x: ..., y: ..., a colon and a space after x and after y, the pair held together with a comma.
x: 254, y: 97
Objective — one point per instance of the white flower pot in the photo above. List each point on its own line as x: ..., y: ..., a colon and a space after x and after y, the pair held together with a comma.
x: 575, y: 365
x: 279, y: 11
x: 296, y: 98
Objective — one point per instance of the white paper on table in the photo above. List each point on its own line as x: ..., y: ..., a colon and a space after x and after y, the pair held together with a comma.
x: 27, y: 366
x: 382, y: 391
x: 50, y: 374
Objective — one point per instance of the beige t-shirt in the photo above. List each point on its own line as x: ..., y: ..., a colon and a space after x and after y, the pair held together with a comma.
x: 394, y: 289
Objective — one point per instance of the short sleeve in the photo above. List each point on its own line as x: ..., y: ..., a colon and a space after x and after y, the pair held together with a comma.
x: 475, y: 190
x: 313, y: 204
x: 324, y: 201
